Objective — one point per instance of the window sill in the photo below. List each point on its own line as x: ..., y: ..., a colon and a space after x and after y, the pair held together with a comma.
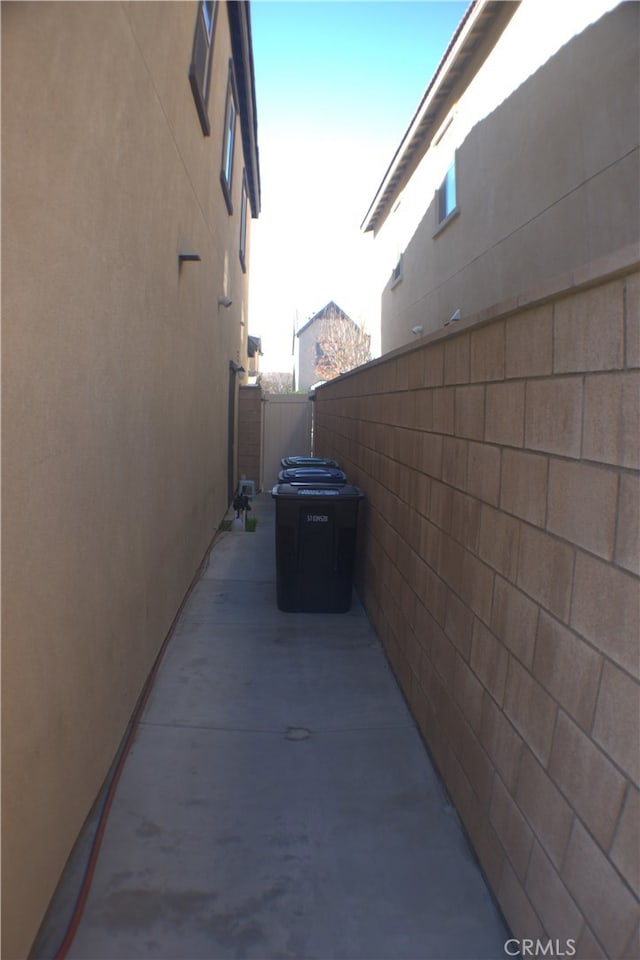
x: 455, y: 213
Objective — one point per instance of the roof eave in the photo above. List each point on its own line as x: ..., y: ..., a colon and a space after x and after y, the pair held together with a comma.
x: 475, y: 23
x: 239, y: 14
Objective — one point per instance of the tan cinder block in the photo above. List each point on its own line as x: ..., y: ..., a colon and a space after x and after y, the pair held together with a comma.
x: 545, y: 570
x: 588, y: 948
x: 529, y: 343
x: 483, y: 472
x: 488, y: 848
x: 431, y: 463
x: 499, y: 541
x: 416, y: 361
x: 582, y: 505
x: 617, y: 723
x: 514, y: 620
x: 477, y: 765
x: 443, y: 656
x: 589, y: 781
x: 588, y: 330
x: 454, y: 462
x: 561, y: 917
x: 434, y: 365
x: 612, y: 419
x: 530, y: 709
x: 523, y: 486
x: 568, y: 668
x: 465, y: 520
x: 553, y: 416
x: 503, y: 745
x: 459, y: 624
x: 477, y: 589
x: 517, y: 909
x: 487, y: 353
x: 424, y: 409
x: 632, y: 948
x: 544, y: 807
x: 451, y: 564
x: 605, y: 610
x: 602, y: 896
x: 468, y: 693
x: 469, y: 412
x: 504, y: 418
x: 444, y: 409
x: 441, y: 505
x: 489, y: 660
x: 513, y: 830
x: 625, y: 851
x: 627, y: 552
x: 632, y: 316
x: 456, y: 359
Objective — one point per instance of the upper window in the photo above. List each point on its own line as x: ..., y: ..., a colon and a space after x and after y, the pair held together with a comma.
x: 243, y: 224
x: 447, y: 194
x: 228, y: 141
x: 397, y: 273
x: 201, y: 55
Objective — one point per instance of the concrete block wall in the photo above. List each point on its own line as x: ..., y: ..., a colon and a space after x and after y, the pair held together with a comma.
x: 250, y: 431
x: 499, y: 563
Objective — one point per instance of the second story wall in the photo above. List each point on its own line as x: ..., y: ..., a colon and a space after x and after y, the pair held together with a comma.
x: 544, y: 182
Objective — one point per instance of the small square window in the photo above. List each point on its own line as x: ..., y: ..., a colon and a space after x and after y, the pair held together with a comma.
x: 201, y: 56
x: 229, y: 140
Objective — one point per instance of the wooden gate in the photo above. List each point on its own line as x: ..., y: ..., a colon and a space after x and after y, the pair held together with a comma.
x: 287, y: 432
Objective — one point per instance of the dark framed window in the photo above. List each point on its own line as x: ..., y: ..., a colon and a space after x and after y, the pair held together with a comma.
x: 201, y: 56
x: 243, y: 223
x: 229, y: 140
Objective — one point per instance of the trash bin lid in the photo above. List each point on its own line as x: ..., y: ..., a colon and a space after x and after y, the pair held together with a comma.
x: 308, y: 462
x: 320, y: 491
x: 312, y: 475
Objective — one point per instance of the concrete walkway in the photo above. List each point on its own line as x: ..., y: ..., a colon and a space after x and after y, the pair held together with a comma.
x: 278, y: 801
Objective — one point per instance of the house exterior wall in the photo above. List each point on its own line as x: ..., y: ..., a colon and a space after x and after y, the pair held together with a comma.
x: 115, y: 367
x: 499, y: 563
x: 547, y: 169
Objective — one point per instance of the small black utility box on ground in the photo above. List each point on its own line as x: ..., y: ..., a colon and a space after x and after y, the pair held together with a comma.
x: 315, y: 546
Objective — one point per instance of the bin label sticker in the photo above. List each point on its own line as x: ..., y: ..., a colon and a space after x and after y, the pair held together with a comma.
x: 317, y: 518
x: 318, y: 493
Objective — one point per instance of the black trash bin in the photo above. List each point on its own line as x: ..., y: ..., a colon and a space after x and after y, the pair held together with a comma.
x: 307, y: 462
x: 315, y: 546
x: 312, y: 475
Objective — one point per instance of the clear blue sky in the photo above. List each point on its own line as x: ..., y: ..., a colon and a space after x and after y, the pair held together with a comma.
x: 337, y: 83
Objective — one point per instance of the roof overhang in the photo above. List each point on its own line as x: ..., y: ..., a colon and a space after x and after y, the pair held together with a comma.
x: 242, y: 49
x: 471, y: 30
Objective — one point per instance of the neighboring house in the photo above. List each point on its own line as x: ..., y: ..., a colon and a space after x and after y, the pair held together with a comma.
x: 129, y: 180
x: 520, y: 164
x: 330, y: 343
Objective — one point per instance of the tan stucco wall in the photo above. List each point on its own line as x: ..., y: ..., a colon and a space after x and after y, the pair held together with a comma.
x: 115, y: 368
x: 547, y: 182
x: 499, y: 562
